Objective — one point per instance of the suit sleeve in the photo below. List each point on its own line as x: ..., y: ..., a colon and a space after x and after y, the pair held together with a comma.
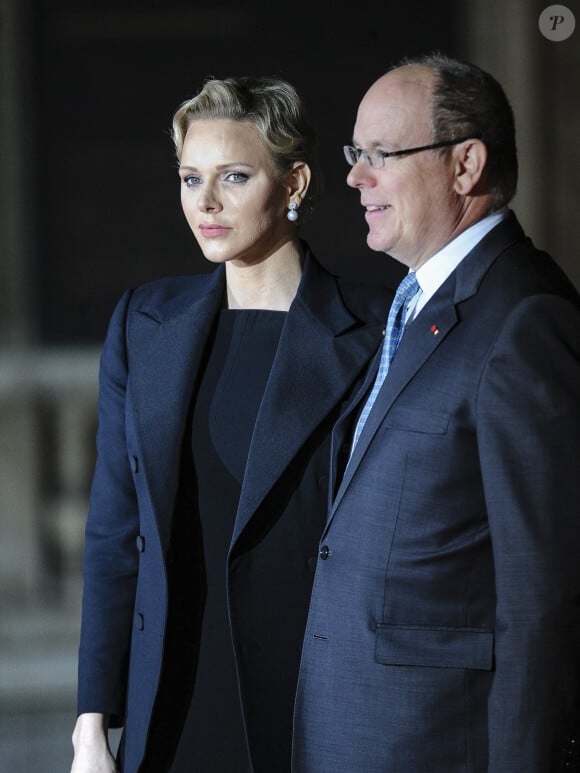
x: 110, y: 555
x: 528, y: 420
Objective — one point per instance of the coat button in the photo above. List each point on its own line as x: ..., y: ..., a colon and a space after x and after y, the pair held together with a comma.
x: 140, y: 621
x: 140, y: 543
x: 135, y: 464
x: 324, y: 552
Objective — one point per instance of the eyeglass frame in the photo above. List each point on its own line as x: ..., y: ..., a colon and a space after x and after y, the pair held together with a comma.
x: 383, y: 154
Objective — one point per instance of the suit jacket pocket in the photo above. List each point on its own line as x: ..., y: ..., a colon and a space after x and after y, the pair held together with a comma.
x: 417, y: 420
x: 434, y: 646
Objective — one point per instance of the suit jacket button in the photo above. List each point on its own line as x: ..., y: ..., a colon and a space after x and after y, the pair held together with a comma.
x: 324, y: 552
x: 140, y: 543
x: 135, y: 464
x: 140, y: 622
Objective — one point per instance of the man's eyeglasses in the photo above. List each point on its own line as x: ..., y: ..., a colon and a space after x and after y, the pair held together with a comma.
x: 375, y: 158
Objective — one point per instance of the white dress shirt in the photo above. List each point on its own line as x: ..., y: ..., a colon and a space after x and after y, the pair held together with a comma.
x: 436, y: 269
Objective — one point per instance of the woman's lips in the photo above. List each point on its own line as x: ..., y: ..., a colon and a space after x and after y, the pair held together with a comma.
x: 213, y: 231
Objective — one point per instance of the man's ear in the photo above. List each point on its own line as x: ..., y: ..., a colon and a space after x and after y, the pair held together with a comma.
x: 468, y: 164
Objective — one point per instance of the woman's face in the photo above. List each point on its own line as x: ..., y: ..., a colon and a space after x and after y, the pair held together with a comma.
x: 231, y: 194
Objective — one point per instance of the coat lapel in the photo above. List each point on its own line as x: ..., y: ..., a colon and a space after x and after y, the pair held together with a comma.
x: 323, y: 349
x: 166, y: 343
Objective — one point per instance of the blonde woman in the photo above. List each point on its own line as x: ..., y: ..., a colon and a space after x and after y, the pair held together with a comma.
x: 218, y: 393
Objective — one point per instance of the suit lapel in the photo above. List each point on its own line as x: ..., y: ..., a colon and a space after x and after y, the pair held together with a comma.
x: 166, y: 344
x: 322, y: 350
x: 424, y: 335
x: 417, y: 345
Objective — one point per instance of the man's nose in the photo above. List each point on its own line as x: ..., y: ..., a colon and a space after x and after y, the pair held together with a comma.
x: 359, y: 174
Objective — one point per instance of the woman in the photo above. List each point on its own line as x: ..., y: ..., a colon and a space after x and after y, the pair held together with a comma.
x: 218, y: 393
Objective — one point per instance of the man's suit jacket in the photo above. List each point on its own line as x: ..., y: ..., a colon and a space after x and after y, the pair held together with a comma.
x: 138, y: 546
x: 443, y: 628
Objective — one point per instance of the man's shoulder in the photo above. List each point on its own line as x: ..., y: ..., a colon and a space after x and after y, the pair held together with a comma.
x: 524, y: 269
x: 507, y: 263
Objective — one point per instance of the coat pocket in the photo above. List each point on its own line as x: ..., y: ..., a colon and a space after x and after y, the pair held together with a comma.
x: 434, y: 646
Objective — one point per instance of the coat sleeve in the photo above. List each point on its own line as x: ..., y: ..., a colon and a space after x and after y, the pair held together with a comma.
x: 528, y: 420
x: 110, y: 554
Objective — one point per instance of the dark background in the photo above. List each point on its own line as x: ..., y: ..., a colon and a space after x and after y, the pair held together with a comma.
x: 109, y: 77
x: 89, y: 205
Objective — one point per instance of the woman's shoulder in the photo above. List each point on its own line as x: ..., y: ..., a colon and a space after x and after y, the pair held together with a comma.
x: 367, y: 300
x: 171, y: 286
x: 364, y: 289
x: 174, y: 289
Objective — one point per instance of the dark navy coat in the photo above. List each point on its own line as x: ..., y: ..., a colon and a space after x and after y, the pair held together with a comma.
x: 149, y: 365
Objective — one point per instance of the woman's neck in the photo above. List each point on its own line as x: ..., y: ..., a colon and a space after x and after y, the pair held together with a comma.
x: 270, y: 284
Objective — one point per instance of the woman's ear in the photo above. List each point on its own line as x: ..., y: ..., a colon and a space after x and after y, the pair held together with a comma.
x: 469, y: 160
x: 298, y: 180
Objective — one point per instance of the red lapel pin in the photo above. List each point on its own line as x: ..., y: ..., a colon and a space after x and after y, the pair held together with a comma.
x: 434, y: 330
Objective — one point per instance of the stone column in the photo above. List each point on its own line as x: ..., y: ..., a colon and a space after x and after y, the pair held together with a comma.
x: 20, y: 572
x: 17, y: 226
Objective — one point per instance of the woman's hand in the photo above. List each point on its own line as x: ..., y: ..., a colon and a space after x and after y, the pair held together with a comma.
x: 91, y: 745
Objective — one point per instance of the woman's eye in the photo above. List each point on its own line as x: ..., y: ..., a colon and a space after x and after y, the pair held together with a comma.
x: 236, y: 177
x: 190, y: 180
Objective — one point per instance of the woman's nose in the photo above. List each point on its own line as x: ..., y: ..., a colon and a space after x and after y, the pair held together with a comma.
x: 208, y: 201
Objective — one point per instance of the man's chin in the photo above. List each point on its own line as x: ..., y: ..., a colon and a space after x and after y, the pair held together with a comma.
x: 375, y: 243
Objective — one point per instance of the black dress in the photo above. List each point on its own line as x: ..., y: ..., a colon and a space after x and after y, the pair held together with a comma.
x: 224, y: 412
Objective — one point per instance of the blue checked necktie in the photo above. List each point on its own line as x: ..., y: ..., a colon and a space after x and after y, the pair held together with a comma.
x: 408, y: 288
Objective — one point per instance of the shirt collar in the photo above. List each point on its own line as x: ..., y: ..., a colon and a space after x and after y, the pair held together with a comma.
x: 435, y: 271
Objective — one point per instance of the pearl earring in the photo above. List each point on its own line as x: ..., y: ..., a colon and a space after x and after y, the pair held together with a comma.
x: 292, y: 215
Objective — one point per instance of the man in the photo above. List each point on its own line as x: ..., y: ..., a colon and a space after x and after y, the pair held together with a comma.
x: 443, y: 632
